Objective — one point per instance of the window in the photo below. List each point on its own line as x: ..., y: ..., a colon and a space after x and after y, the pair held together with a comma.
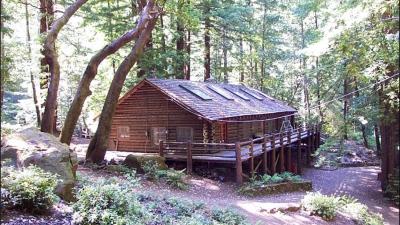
x: 238, y: 94
x: 158, y: 134
x: 251, y: 94
x: 196, y: 92
x: 123, y: 132
x: 184, y: 134
x: 221, y: 92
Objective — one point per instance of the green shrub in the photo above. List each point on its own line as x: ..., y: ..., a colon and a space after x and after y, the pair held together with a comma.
x: 107, y: 203
x: 228, y: 217
x: 174, y: 178
x: 359, y: 212
x: 30, y: 189
x: 321, y: 205
x: 276, y: 178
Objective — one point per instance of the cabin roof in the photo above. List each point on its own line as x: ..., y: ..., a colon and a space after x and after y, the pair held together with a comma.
x: 216, y: 101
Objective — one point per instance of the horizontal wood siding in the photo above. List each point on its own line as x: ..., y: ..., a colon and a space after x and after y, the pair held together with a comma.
x: 148, y: 107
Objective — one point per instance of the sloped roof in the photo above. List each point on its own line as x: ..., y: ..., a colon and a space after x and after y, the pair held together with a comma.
x: 199, y: 98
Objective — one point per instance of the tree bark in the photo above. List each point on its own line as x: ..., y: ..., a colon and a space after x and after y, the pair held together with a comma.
x: 377, y: 140
x: 305, y: 78
x: 318, y: 78
x: 99, y: 143
x: 180, y: 44
x: 207, y: 44
x: 48, y: 120
x: 345, y: 107
x: 241, y: 52
x: 186, y: 69
x: 83, y: 90
x: 46, y: 19
x: 28, y: 44
x: 225, y: 54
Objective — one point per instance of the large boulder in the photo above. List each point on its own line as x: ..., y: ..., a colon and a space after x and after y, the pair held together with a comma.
x: 136, y: 161
x: 32, y: 147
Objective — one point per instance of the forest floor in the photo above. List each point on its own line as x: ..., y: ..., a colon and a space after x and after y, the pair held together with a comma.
x: 358, y: 182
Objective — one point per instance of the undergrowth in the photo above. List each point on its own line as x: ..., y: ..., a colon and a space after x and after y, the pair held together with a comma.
x: 328, y: 206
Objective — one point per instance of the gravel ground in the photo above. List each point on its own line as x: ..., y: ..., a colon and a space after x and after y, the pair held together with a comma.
x: 359, y: 182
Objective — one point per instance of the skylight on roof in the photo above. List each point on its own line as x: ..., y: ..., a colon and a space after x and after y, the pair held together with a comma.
x: 196, y: 92
x: 251, y: 94
x: 238, y: 94
x: 221, y: 92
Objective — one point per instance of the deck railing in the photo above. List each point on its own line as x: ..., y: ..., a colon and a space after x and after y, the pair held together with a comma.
x: 247, y: 150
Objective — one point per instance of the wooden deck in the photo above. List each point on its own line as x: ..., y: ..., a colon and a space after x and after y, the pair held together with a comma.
x: 268, y: 150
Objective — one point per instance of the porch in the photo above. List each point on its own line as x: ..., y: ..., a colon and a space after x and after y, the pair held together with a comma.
x: 267, y: 154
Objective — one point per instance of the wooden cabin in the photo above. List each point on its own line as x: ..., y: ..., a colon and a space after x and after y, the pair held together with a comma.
x: 202, y: 112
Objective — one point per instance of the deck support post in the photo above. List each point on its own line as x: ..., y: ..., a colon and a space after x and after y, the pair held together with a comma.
x: 264, y: 151
x: 189, y: 165
x: 251, y: 154
x: 273, y: 155
x: 289, y: 152
x: 161, y: 148
x: 239, y: 170
x: 299, y: 151
x: 281, y: 154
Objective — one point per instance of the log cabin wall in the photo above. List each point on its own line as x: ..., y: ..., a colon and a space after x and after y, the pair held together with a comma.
x: 145, y: 109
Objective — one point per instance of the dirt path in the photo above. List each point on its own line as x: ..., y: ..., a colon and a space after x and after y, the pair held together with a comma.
x: 359, y: 182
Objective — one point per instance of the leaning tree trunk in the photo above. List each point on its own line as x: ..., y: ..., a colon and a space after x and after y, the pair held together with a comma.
x: 91, y: 70
x: 99, y: 143
x: 28, y: 40
x: 48, y: 120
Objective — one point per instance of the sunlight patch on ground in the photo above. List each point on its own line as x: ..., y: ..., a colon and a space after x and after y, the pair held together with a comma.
x: 205, y: 184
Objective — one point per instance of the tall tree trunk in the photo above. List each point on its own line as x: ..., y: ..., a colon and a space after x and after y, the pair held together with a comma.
x: 180, y: 44
x: 377, y: 140
x: 186, y: 69
x: 345, y: 107
x: 207, y: 45
x: 46, y: 19
x: 99, y: 143
x: 2, y: 64
x: 305, y: 78
x: 241, y: 52
x: 49, y: 115
x: 263, y: 48
x: 225, y: 54
x: 363, y: 128
x: 318, y: 78
x: 28, y: 44
x: 83, y: 90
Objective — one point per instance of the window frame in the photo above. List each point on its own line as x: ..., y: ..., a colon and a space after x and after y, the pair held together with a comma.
x: 123, y: 132
x: 179, y: 129
x: 153, y: 135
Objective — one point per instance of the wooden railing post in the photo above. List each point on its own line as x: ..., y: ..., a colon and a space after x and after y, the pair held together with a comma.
x: 281, y: 154
x: 161, y: 148
x: 273, y: 154
x: 289, y: 152
x: 239, y: 171
x: 264, y: 151
x: 299, y: 152
x: 189, y: 165
x: 251, y: 154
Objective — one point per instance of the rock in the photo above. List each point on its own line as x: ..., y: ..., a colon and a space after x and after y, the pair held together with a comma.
x: 137, y: 161
x: 32, y: 147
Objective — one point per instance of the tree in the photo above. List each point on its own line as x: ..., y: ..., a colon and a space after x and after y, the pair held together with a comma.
x: 83, y: 90
x: 49, y: 115
x: 28, y: 43
x: 99, y: 143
